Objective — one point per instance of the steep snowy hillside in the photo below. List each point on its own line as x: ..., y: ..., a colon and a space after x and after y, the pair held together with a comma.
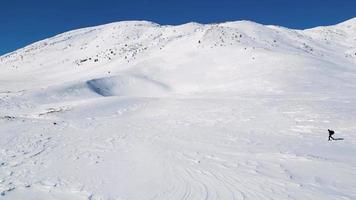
x: 136, y: 110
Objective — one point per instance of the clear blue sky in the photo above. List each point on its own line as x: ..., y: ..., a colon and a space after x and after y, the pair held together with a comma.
x: 25, y: 21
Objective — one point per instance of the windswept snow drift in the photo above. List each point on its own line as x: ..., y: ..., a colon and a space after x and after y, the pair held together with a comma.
x: 135, y: 110
x: 127, y: 86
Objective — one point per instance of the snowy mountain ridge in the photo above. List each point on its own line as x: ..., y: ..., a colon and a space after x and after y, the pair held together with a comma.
x: 119, y: 45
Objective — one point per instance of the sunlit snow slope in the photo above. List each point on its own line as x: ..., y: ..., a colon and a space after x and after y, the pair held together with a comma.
x: 136, y: 110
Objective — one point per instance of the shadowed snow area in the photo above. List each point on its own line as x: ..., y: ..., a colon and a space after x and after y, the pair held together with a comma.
x: 136, y: 110
x: 127, y: 86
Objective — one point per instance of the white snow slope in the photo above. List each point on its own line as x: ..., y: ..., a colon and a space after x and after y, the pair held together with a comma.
x: 134, y: 110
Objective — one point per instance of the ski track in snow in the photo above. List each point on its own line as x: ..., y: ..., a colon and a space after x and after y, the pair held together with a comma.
x: 191, y: 154
x: 235, y: 110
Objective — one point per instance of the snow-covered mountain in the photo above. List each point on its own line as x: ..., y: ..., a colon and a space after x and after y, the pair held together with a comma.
x: 136, y: 110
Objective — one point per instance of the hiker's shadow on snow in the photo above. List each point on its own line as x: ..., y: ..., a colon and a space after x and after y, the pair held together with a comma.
x: 339, y: 139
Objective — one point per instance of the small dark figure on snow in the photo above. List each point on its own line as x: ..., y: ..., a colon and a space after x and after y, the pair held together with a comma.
x: 331, y: 133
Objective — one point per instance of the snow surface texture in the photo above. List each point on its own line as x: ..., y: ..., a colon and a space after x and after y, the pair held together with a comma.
x: 134, y: 110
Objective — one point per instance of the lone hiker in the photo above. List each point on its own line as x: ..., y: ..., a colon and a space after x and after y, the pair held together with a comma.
x: 331, y: 132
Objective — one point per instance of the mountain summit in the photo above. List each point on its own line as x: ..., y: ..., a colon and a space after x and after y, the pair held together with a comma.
x: 186, y: 58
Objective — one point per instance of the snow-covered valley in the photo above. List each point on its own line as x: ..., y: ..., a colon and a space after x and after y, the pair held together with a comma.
x: 136, y: 110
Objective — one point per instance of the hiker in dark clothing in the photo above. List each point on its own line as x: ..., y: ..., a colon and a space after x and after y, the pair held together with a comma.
x: 331, y: 132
